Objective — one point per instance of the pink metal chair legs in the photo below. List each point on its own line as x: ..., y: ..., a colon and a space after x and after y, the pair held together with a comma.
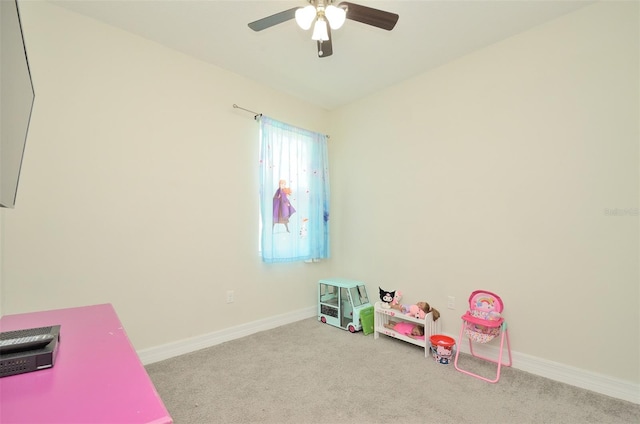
x: 482, y: 323
x: 504, y: 336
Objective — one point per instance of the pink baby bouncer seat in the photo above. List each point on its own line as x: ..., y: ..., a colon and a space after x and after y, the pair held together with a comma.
x: 482, y: 323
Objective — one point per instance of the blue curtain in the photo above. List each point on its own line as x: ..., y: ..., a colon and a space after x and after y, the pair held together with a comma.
x: 294, y: 193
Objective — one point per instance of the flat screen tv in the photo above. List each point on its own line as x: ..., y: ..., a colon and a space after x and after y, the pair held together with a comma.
x: 16, y: 100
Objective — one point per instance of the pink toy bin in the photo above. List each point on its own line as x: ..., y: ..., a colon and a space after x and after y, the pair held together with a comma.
x: 442, y: 348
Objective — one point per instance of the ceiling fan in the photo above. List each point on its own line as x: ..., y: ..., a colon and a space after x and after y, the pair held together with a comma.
x: 324, y: 17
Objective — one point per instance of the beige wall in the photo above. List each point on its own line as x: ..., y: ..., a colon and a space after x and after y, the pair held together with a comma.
x: 494, y: 172
x: 139, y: 186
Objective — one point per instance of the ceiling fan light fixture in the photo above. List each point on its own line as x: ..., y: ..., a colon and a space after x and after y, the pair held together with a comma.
x: 335, y: 15
x: 325, y: 18
x: 320, y: 32
x: 305, y: 16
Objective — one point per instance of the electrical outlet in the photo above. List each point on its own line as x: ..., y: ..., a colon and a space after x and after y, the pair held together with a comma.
x: 451, y: 302
x: 229, y: 296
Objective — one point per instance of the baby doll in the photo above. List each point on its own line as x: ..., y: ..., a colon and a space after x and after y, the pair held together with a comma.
x: 406, y: 328
x: 423, y: 306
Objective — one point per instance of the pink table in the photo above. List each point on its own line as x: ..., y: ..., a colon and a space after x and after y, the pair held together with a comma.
x: 97, y: 376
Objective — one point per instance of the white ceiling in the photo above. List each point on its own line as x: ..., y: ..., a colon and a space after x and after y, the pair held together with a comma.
x: 365, y: 59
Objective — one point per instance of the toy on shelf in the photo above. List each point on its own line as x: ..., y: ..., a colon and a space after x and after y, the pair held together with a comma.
x: 397, y: 298
x: 418, y: 310
x: 387, y: 318
x: 386, y: 298
x: 341, y: 303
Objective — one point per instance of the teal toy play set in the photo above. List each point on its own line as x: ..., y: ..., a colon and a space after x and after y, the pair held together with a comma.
x: 342, y: 303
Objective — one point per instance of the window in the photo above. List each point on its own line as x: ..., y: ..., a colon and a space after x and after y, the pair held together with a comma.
x: 294, y: 193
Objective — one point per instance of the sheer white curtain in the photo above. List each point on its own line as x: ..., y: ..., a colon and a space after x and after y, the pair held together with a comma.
x: 294, y: 193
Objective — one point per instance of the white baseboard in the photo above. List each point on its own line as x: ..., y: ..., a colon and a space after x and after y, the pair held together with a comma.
x: 598, y: 383
x: 588, y: 380
x: 170, y: 350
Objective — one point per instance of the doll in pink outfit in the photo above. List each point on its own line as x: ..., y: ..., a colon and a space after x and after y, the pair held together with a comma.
x: 407, y: 329
x: 422, y: 305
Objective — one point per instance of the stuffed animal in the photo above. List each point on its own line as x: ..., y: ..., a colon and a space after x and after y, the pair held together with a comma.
x: 416, y: 312
x: 397, y: 298
x: 386, y: 297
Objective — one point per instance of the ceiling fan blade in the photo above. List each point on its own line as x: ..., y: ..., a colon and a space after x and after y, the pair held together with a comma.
x: 272, y: 20
x: 370, y: 16
x: 325, y: 48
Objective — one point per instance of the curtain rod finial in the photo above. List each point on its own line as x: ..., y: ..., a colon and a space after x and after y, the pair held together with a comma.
x: 235, y: 106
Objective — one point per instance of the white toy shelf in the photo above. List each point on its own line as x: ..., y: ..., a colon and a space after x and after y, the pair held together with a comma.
x: 382, y: 316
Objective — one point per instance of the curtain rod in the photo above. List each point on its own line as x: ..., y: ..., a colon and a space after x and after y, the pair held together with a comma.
x: 256, y: 114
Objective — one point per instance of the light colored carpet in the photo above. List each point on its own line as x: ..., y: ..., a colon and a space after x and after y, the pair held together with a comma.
x: 309, y: 372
